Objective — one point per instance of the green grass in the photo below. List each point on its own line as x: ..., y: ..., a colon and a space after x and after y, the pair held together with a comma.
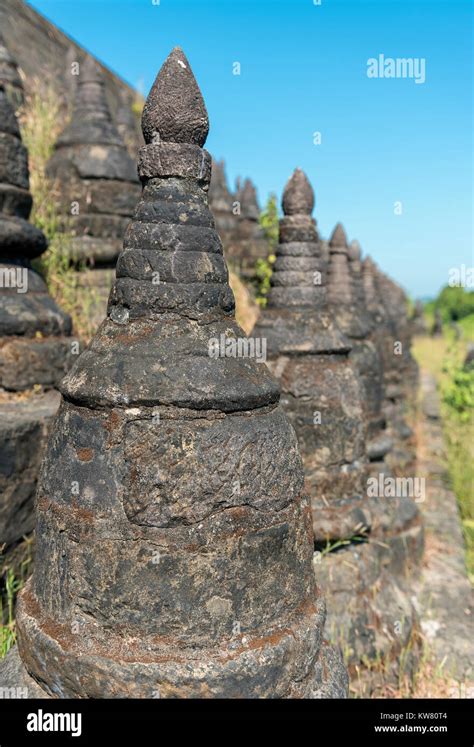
x: 14, y: 576
x: 443, y: 357
x: 41, y: 121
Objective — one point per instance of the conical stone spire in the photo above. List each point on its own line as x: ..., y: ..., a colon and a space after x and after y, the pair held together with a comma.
x: 220, y: 198
x: 400, y: 370
x: 10, y: 77
x: 96, y: 181
x: 34, y: 346
x: 323, y: 397
x: 184, y: 558
x: 247, y: 197
x: 339, y: 282
x: 247, y: 242
x: 354, y: 254
x: 348, y: 306
x: 221, y: 202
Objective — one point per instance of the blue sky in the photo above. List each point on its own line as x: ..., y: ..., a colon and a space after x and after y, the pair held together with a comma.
x: 304, y: 70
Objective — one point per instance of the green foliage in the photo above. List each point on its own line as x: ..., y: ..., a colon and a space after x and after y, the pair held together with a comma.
x: 12, y: 582
x: 443, y: 357
x: 269, y: 221
x: 467, y: 327
x: 41, y: 121
x: 264, y: 267
x: 454, y: 303
x: 458, y: 389
x: 262, y: 274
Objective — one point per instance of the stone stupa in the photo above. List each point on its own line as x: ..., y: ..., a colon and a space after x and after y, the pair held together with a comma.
x: 398, y: 518
x: 395, y: 301
x: 323, y: 397
x: 95, y: 185
x: 10, y: 76
x: 221, y: 202
x: 345, y: 292
x: 35, y: 347
x: 247, y: 242
x: 181, y: 566
x: 393, y: 344
x: 354, y: 255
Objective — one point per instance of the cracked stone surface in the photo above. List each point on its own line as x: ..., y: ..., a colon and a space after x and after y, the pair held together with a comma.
x: 174, y: 544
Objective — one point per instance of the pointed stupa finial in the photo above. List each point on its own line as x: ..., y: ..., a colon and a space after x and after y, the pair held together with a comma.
x: 298, y: 195
x: 338, y: 238
x: 247, y: 196
x: 175, y: 110
x: 91, y: 121
x: 354, y: 251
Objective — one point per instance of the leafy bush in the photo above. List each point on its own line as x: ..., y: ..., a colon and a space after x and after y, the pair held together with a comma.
x: 269, y: 221
x: 455, y: 303
x: 263, y: 273
x: 458, y: 390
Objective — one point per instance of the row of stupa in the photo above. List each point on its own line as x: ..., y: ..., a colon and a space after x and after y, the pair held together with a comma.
x: 202, y: 526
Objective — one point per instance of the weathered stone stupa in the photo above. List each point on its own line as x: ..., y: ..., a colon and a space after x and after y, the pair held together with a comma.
x: 174, y: 541
x: 418, y: 321
x: 395, y: 301
x: 247, y: 243
x: 323, y: 399
x: 34, y: 346
x: 309, y: 355
x: 397, y: 517
x: 96, y: 184
x: 345, y: 290
x: 399, y: 376
x: 10, y: 76
x: 354, y: 254
x: 221, y: 202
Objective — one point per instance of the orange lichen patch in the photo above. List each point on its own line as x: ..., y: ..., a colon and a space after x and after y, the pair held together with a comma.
x: 135, y: 333
x: 42, y: 503
x: 85, y: 455
x: 112, y: 422
x: 10, y: 397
